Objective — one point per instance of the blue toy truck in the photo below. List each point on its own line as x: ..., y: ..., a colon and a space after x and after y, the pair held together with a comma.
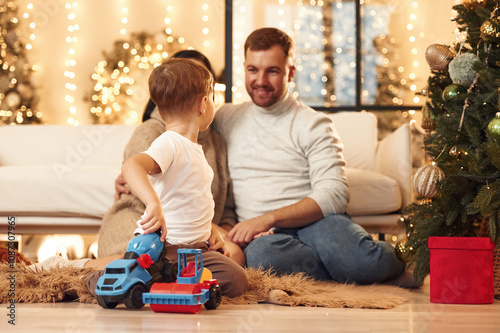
x: 125, y: 280
x: 194, y: 286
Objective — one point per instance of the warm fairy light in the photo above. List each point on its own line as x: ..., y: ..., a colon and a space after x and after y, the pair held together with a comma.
x: 205, y: 30
x: 32, y: 25
x: 414, y: 50
x: 242, y: 27
x: 124, y: 20
x: 168, y: 21
x: 281, y: 14
x: 70, y: 62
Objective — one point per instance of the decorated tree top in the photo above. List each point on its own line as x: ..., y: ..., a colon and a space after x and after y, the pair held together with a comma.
x: 460, y: 187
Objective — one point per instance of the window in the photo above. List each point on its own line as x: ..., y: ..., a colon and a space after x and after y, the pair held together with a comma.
x: 350, y: 55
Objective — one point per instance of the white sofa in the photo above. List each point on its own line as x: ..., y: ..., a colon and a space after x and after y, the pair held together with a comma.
x: 60, y: 179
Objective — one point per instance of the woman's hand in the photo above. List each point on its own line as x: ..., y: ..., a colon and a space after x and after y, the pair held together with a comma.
x: 120, y: 187
x: 216, y: 243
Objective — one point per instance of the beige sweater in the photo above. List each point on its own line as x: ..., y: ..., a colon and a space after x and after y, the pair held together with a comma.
x: 119, y: 222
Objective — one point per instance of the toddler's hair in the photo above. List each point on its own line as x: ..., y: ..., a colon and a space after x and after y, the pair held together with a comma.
x: 176, y: 84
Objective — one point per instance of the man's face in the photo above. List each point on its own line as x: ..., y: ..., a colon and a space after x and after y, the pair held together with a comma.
x: 267, y: 74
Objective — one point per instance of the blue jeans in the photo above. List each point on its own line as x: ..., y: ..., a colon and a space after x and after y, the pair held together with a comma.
x: 333, y: 248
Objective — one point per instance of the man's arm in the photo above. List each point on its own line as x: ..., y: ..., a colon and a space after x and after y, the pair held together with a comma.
x: 300, y: 214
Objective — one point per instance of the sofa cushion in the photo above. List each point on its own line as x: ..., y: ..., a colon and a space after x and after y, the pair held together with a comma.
x: 71, y: 146
x: 82, y: 191
x: 372, y: 193
x: 358, y: 131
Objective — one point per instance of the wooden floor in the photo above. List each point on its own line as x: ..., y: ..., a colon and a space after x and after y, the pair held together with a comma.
x: 418, y: 315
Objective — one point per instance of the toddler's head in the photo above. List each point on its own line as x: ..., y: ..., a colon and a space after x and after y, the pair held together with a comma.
x: 176, y: 85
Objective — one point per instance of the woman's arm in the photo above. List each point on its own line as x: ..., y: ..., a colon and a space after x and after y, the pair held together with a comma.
x: 236, y: 251
x: 139, y: 142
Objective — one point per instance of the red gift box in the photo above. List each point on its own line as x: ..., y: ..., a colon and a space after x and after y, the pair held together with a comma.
x: 461, y: 270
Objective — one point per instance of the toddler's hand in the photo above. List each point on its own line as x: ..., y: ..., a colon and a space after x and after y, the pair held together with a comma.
x: 154, y: 220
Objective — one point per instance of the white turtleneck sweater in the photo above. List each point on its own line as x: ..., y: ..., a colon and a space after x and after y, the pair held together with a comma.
x: 280, y: 155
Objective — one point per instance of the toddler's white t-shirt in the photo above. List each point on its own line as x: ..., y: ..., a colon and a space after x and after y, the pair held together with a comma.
x: 184, y: 188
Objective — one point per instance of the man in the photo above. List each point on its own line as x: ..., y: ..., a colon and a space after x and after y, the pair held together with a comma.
x: 287, y: 168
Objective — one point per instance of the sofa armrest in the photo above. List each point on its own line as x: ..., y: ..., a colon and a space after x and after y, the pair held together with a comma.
x: 393, y: 159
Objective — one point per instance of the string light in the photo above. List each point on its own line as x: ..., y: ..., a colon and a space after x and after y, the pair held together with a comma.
x: 168, y: 22
x: 29, y: 46
x: 124, y: 20
x: 414, y: 50
x: 70, y: 63
x: 32, y: 25
x: 205, y: 30
x: 242, y: 27
x: 281, y: 14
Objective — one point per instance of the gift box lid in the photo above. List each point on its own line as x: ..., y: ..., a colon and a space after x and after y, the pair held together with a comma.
x: 472, y: 243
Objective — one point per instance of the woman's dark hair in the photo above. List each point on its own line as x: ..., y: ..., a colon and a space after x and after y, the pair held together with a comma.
x: 186, y: 54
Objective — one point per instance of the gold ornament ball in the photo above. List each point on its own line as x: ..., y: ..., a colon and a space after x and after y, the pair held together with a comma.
x: 403, y: 253
x: 425, y: 179
x: 473, y: 4
x: 490, y: 30
x: 494, y: 126
x: 438, y: 56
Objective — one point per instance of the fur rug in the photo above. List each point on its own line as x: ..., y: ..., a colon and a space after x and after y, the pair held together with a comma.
x: 6, y: 255
x: 68, y: 283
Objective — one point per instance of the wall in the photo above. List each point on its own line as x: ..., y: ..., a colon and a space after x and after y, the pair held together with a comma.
x: 100, y: 25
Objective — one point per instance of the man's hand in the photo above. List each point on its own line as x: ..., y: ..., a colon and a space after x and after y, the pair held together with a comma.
x: 245, y: 231
x: 120, y: 187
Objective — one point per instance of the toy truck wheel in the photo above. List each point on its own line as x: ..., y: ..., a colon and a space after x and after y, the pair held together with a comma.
x: 214, y: 297
x: 133, y: 299
x: 106, y: 305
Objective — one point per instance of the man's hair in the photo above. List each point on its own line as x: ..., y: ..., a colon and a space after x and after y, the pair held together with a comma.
x: 176, y: 84
x: 265, y: 38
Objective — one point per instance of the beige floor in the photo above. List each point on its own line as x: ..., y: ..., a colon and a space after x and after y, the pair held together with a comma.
x: 418, y: 315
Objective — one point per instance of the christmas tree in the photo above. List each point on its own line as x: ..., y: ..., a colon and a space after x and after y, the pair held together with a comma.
x: 460, y: 187
x: 17, y: 93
